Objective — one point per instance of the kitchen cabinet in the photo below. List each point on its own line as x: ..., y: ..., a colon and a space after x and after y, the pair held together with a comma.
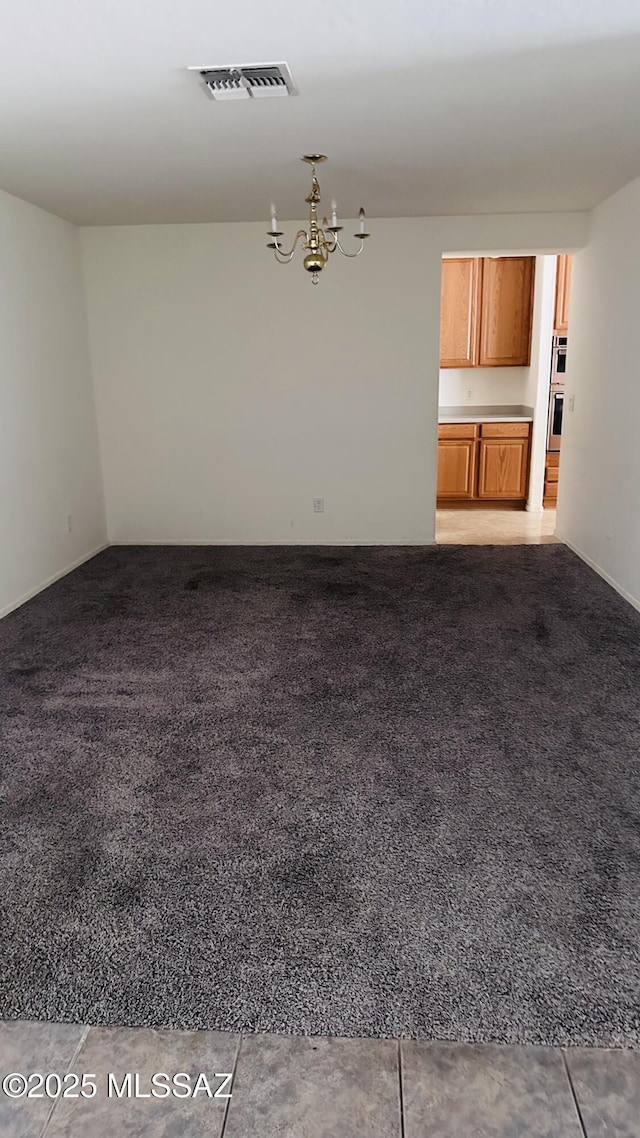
x: 457, y: 460
x: 563, y: 292
x: 503, y: 467
x: 506, y: 311
x: 551, y: 472
x: 459, y: 311
x: 483, y: 462
x: 486, y: 311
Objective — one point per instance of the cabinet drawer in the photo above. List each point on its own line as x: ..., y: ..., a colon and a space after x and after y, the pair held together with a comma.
x: 505, y: 430
x: 553, y: 458
x: 457, y: 430
x: 550, y: 491
x: 551, y: 474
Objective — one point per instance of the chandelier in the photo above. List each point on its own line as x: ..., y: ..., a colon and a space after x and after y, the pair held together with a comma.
x: 319, y: 241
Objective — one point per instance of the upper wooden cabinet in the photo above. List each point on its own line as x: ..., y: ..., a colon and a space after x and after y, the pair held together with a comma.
x: 459, y: 310
x: 563, y: 291
x: 506, y: 310
x: 486, y: 314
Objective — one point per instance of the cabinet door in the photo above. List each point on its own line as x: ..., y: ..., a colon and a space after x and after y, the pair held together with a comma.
x: 459, y: 311
x: 457, y: 461
x: 503, y: 468
x: 563, y: 291
x: 507, y: 310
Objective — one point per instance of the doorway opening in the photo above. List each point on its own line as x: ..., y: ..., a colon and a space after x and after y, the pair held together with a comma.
x: 503, y: 350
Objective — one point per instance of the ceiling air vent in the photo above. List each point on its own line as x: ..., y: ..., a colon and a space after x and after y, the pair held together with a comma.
x: 248, y: 81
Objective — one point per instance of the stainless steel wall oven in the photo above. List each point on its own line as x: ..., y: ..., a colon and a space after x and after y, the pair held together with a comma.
x: 556, y: 392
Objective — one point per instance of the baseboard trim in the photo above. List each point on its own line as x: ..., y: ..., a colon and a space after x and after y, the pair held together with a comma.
x: 51, y: 580
x: 311, y: 541
x: 634, y: 601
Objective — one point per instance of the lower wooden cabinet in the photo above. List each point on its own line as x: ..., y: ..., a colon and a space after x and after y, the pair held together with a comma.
x: 551, y: 472
x: 503, y: 470
x: 457, y: 466
x: 483, y: 462
x: 457, y: 460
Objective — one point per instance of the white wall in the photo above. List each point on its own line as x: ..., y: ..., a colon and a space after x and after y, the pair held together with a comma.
x: 231, y: 391
x: 538, y: 375
x: 49, y: 465
x: 599, y: 486
x: 483, y: 386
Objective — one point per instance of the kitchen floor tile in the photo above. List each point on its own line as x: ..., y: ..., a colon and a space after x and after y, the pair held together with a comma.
x: 484, y: 1091
x: 26, y: 1048
x: 144, y: 1052
x: 607, y: 1087
x: 301, y: 1087
x: 495, y: 527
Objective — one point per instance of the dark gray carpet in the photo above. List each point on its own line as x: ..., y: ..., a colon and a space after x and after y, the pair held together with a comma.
x: 352, y: 791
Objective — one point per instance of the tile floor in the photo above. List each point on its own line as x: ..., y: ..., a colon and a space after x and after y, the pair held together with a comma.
x: 293, y: 1087
x: 494, y: 527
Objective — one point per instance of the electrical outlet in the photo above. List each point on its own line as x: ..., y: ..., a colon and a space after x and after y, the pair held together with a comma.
x: 318, y: 505
x: 572, y: 402
x: 69, y: 523
x: 469, y: 395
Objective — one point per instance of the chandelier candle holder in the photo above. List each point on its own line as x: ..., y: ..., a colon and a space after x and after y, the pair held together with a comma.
x: 319, y: 241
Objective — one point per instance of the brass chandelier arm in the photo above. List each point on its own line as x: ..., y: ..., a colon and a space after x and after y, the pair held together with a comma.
x: 283, y: 259
x: 280, y: 255
x: 361, y: 238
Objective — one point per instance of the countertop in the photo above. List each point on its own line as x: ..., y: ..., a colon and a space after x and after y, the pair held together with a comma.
x: 472, y: 414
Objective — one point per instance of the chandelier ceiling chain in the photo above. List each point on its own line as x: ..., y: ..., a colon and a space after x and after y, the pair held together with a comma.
x: 319, y: 240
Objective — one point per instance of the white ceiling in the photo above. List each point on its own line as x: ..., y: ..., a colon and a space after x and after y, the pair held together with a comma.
x: 423, y: 106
